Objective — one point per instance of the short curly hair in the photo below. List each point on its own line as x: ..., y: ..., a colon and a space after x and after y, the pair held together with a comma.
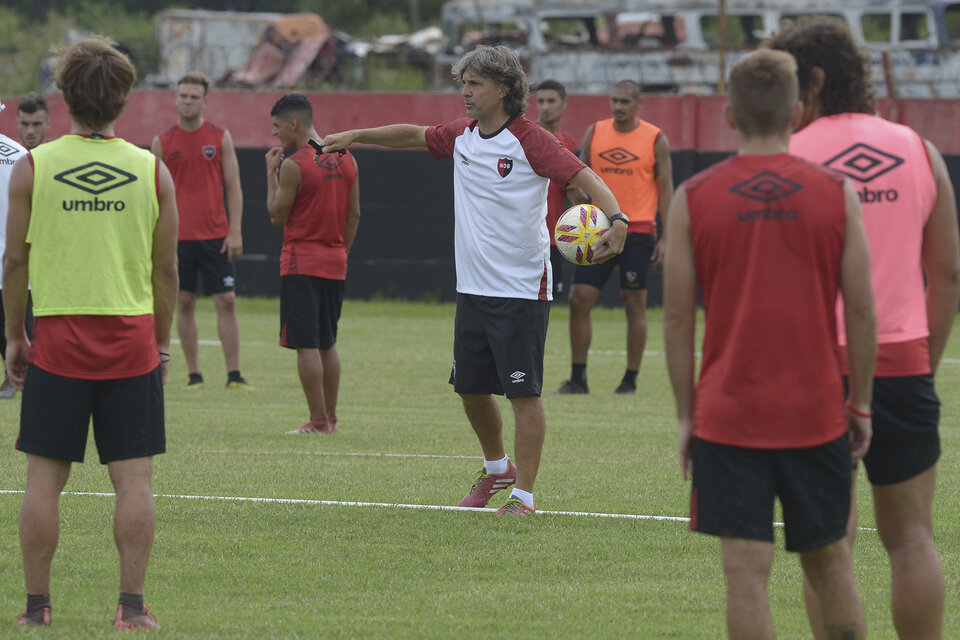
x: 828, y: 44
x: 501, y: 65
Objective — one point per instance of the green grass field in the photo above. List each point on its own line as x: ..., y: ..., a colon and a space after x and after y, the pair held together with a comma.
x: 241, y: 568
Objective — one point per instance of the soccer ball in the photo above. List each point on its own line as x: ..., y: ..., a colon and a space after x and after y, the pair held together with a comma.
x: 577, y: 230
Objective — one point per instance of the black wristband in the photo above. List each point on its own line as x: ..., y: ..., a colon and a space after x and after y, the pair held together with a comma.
x: 619, y: 216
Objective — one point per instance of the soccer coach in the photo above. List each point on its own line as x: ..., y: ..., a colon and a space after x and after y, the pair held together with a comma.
x: 503, y: 164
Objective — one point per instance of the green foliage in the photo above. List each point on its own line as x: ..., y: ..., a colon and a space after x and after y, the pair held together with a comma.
x: 134, y: 30
x: 224, y: 569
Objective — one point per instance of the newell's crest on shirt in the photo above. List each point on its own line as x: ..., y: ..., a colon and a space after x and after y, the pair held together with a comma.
x: 504, y: 167
x: 209, y: 151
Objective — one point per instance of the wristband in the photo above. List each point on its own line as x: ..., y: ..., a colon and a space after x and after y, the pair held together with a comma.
x: 860, y: 414
x: 619, y: 216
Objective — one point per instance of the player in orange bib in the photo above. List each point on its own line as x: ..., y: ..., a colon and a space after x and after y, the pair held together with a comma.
x: 633, y: 159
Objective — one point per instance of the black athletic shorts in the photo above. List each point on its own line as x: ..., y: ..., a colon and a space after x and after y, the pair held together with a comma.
x: 498, y: 345
x: 127, y: 416
x: 734, y: 490
x: 309, y: 311
x: 906, y: 442
x: 203, y: 259
x: 634, y: 264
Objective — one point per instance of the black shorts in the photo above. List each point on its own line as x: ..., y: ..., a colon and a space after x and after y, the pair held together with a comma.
x: 203, y: 259
x: 906, y: 442
x: 309, y: 311
x: 498, y: 345
x: 127, y: 416
x: 734, y: 490
x: 634, y: 265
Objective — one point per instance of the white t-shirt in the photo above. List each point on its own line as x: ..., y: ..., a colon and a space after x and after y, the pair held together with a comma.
x: 10, y: 152
x: 500, y: 187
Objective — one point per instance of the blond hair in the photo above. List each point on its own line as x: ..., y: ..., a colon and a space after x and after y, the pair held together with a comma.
x: 763, y: 92
x: 195, y: 77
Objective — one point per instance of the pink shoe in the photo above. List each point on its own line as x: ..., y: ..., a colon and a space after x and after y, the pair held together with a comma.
x: 488, y: 484
x: 316, y: 425
x: 25, y: 621
x: 515, y: 507
x: 146, y: 620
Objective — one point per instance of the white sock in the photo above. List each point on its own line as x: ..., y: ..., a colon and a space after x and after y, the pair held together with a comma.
x: 496, y: 466
x: 523, y: 496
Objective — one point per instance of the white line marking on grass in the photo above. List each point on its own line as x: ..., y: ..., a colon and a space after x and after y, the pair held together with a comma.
x: 395, y: 505
x: 216, y: 343
x: 337, y: 453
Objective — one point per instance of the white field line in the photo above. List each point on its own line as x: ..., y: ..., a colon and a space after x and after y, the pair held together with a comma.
x: 360, y: 454
x: 395, y: 505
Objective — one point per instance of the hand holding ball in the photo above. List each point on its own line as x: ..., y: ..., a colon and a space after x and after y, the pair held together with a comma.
x: 577, y: 231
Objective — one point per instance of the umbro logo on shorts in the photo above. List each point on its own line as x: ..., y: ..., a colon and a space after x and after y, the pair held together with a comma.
x: 518, y: 376
x: 766, y: 186
x: 95, y: 177
x: 863, y: 163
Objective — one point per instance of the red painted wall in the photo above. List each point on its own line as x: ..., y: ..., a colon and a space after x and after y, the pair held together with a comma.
x: 690, y: 122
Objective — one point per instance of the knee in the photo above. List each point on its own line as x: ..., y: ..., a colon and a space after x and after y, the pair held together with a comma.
x: 225, y: 302
x: 186, y: 303
x: 580, y: 303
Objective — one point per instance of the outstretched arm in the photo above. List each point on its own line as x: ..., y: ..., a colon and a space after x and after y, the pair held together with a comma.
x: 398, y: 136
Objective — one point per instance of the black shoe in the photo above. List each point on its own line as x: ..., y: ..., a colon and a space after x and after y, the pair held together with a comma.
x: 625, y: 387
x: 195, y: 382
x: 571, y: 386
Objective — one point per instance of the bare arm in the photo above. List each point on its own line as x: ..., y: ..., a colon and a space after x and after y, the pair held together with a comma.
x: 15, y: 270
x: 352, y: 222
x: 941, y: 260
x: 283, y: 183
x: 166, y: 280
x: 680, y: 320
x: 612, y: 242
x: 398, y: 136
x: 663, y: 169
x: 233, y: 244
x: 156, y: 148
x: 861, y: 321
x: 575, y: 193
x: 587, y: 141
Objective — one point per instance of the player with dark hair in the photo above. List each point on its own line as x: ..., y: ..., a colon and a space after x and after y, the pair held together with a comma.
x: 33, y: 120
x: 632, y: 157
x: 551, y: 99
x: 771, y: 240
x: 10, y: 152
x: 318, y: 206
x: 203, y: 162
x: 909, y: 211
x: 100, y: 254
x: 502, y: 169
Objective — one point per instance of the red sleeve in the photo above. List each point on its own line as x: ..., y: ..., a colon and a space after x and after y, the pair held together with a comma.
x: 441, y: 137
x: 547, y: 155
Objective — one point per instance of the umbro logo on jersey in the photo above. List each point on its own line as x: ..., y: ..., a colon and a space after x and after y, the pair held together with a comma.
x: 504, y: 166
x: 463, y: 158
x: 863, y: 163
x: 766, y: 186
x: 7, y: 150
x: 518, y: 376
x: 330, y: 162
x: 618, y: 156
x: 95, y: 178
x: 209, y: 151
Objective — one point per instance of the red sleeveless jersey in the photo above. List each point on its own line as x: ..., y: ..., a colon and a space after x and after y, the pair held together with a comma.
x: 768, y: 236
x: 313, y: 234
x: 195, y: 162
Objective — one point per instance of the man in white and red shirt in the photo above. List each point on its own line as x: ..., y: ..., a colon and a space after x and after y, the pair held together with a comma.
x: 910, y: 216
x: 503, y: 164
